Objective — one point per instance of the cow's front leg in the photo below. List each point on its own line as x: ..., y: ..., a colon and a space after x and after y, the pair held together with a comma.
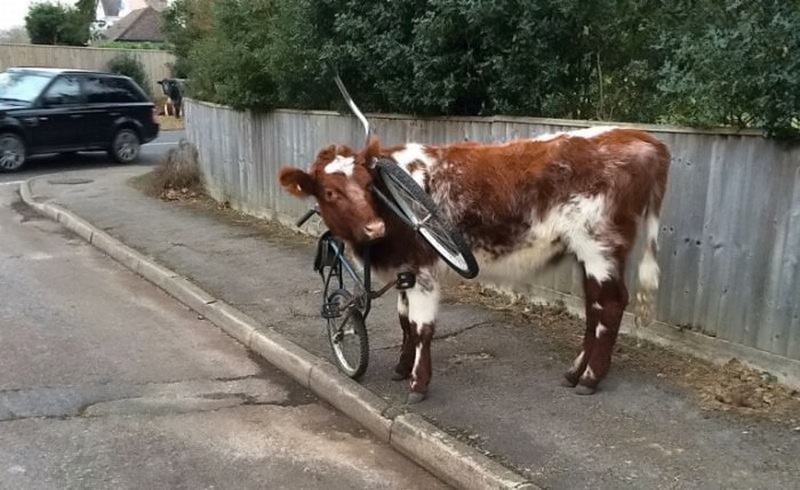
x: 407, y: 350
x: 423, y: 304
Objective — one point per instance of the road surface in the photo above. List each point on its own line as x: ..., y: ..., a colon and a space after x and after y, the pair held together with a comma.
x: 107, y: 382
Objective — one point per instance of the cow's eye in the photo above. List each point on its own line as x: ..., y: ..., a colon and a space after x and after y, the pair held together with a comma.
x: 330, y: 195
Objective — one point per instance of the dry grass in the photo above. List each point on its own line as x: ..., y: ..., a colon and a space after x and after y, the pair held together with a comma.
x: 169, y: 123
x: 177, y: 177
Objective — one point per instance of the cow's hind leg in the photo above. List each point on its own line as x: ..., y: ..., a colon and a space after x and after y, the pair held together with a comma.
x: 606, y: 301
x: 407, y: 351
x: 592, y: 297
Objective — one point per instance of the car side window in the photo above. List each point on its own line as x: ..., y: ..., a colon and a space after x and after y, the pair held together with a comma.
x: 108, y: 90
x: 65, y: 90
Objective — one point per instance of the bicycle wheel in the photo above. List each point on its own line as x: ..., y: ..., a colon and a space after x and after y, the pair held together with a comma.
x: 421, y: 211
x: 347, y: 335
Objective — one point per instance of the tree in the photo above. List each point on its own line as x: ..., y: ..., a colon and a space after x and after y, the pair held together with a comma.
x: 87, y: 9
x: 49, y: 23
x: 185, y: 23
x: 17, y: 35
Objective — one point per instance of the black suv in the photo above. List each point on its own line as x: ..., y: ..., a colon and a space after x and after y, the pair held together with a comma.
x: 45, y: 110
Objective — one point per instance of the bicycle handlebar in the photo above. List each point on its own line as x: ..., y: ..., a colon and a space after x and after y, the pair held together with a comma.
x: 311, y: 212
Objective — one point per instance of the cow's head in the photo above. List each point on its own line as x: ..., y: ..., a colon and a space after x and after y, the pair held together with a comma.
x: 340, y: 180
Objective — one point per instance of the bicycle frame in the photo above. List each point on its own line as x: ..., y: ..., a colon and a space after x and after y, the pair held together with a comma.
x: 341, y: 265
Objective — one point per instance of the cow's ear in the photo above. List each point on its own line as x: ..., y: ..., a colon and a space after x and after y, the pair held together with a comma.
x: 371, y: 151
x: 296, y: 182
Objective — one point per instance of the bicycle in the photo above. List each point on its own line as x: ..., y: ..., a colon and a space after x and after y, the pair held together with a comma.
x: 347, y: 295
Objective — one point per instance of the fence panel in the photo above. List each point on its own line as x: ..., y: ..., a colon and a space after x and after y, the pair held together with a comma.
x: 156, y: 63
x: 730, y: 230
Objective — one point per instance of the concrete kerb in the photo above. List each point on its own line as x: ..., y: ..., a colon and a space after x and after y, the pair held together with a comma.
x: 432, y: 448
x: 422, y: 441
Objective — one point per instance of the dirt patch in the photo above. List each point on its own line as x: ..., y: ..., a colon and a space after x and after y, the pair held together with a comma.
x: 733, y: 387
x: 25, y: 212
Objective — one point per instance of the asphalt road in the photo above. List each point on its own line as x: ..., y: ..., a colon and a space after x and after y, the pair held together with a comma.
x: 47, y: 164
x: 107, y: 382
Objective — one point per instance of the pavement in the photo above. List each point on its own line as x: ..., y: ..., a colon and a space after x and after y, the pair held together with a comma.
x: 108, y: 382
x: 495, y: 382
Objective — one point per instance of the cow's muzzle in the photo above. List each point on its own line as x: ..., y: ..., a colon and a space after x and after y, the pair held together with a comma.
x: 375, y: 229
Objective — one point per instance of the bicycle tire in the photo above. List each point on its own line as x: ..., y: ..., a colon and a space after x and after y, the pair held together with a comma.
x: 409, y: 196
x: 352, y: 319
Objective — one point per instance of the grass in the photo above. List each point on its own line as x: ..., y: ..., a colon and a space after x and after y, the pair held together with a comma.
x: 169, y: 123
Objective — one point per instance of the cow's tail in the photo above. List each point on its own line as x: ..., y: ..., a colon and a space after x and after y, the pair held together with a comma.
x: 648, y: 267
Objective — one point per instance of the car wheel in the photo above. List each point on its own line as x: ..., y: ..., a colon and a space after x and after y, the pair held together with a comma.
x: 12, y: 152
x: 125, y: 146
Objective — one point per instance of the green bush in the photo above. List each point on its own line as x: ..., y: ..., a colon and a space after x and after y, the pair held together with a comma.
x: 741, y: 70
x: 53, y: 23
x: 185, y: 23
x: 128, y: 65
x: 130, y: 45
x: 695, y: 62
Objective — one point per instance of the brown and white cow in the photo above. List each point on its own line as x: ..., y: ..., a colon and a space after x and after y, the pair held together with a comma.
x: 519, y: 204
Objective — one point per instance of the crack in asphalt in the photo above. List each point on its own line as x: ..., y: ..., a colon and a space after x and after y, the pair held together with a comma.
x: 103, y: 384
x: 163, y: 413
x: 446, y: 335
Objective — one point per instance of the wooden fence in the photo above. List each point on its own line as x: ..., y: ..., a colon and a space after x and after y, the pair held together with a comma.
x: 730, y: 228
x: 156, y: 63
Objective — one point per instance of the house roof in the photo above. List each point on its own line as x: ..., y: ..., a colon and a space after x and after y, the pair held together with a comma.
x: 140, y: 25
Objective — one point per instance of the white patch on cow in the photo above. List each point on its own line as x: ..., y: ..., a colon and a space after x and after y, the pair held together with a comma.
x: 648, y: 268
x: 548, y: 137
x: 402, y: 306
x: 415, y: 152
x: 589, y: 374
x: 340, y: 164
x: 579, y: 225
x: 597, y: 306
x: 578, y: 362
x: 417, y: 356
x: 580, y: 222
x: 600, y: 330
x: 578, y: 133
x: 520, y: 264
x: 591, y: 132
x: 422, y: 305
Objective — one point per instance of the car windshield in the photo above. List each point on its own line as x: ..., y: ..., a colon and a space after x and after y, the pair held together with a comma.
x: 16, y: 86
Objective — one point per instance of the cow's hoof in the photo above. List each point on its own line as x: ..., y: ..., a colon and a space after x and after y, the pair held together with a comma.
x: 585, y: 390
x: 399, y: 376
x: 415, y: 397
x: 569, y: 380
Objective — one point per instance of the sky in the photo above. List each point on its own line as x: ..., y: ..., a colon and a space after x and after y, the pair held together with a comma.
x: 12, y: 12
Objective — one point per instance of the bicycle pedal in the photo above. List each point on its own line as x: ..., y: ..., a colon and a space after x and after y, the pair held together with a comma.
x: 331, y: 310
x: 406, y: 280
